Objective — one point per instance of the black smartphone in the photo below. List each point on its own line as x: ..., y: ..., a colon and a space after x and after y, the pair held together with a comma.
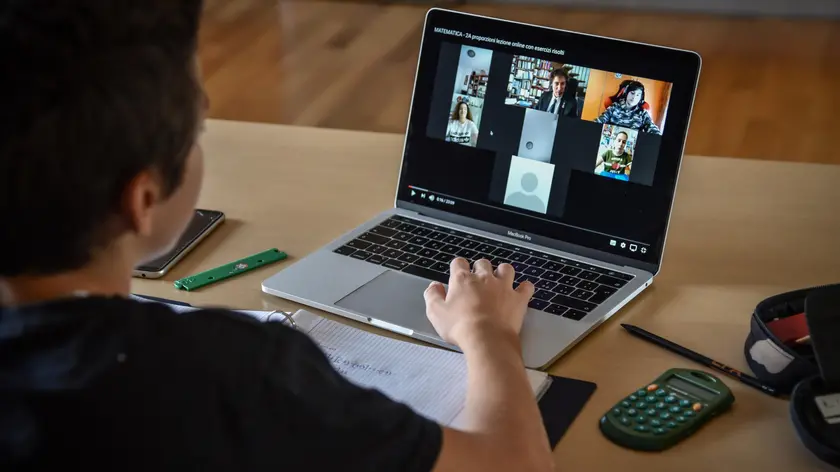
x: 202, y: 224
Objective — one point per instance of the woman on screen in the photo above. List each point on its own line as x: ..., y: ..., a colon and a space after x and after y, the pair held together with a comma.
x: 629, y: 109
x: 461, y: 128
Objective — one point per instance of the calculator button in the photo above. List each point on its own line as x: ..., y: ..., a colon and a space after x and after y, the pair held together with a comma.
x: 661, y: 393
x: 651, y: 412
x: 697, y: 407
x: 625, y: 421
x: 675, y: 409
x: 631, y: 412
x: 661, y: 405
x: 670, y: 399
x: 671, y: 425
x: 659, y: 431
x: 632, y: 398
x: 616, y: 412
x: 680, y: 419
x: 641, y: 419
x: 650, y: 399
x: 652, y: 387
x: 641, y: 393
x: 665, y: 416
x: 641, y: 405
x: 642, y: 428
x: 689, y: 413
x: 626, y: 404
x: 655, y: 423
x: 684, y: 403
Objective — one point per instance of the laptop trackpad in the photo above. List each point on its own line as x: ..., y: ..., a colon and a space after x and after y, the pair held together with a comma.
x: 392, y: 297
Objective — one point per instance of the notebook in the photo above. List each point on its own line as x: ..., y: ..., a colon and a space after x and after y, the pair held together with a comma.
x: 430, y: 380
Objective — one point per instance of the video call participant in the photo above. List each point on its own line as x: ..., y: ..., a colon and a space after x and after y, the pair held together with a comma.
x: 554, y: 100
x: 617, y: 160
x: 525, y: 197
x: 100, y: 163
x: 461, y: 128
x: 629, y: 109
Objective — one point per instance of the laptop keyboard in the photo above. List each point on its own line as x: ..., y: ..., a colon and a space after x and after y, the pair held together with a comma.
x: 564, y: 287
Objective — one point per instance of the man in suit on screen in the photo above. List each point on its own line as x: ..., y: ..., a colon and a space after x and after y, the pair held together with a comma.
x: 554, y: 100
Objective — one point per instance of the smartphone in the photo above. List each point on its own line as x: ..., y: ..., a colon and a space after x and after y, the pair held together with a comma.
x: 202, y: 224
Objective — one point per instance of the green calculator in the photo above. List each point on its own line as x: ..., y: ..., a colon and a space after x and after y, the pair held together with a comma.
x: 667, y: 410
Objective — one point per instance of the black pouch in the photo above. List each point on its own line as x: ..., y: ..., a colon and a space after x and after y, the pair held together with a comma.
x: 772, y: 362
x: 818, y: 436
x: 815, y: 403
x: 811, y: 371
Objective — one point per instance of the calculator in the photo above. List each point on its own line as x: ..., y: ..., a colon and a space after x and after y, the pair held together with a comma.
x: 667, y: 410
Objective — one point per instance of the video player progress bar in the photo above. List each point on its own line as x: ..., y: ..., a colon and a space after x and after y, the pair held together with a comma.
x: 530, y: 216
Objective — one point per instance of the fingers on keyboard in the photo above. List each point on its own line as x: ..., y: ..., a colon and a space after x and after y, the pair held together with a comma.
x: 564, y: 287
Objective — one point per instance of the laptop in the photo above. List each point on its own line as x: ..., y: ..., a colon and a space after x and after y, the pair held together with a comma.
x: 584, y: 217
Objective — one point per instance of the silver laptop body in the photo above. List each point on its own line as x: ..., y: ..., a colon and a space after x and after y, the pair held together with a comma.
x: 331, y: 279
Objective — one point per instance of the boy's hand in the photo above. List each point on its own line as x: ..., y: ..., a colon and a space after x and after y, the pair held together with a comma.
x: 477, y: 303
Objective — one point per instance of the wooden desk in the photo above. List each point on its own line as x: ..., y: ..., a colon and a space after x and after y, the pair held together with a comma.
x: 741, y: 231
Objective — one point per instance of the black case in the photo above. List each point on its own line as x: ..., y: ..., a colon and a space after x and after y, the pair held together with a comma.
x: 771, y: 361
x: 808, y: 371
x: 819, y: 437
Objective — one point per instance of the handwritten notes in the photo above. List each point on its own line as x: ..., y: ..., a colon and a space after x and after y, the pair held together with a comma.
x: 432, y: 381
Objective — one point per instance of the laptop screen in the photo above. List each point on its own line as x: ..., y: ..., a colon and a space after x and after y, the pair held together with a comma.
x: 550, y: 134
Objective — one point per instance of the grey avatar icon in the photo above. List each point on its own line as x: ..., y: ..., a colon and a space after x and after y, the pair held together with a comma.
x: 525, y: 198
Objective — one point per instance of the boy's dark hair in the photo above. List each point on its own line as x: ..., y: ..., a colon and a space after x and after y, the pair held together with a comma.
x: 93, y: 93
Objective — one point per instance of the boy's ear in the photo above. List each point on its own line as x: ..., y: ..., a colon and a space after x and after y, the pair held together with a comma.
x: 140, y: 198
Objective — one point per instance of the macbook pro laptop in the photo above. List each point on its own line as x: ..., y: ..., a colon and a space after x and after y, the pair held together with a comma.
x: 583, y: 216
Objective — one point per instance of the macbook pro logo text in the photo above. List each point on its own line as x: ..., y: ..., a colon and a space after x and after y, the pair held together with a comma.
x: 518, y: 235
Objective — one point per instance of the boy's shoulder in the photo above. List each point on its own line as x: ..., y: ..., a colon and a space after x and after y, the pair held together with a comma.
x: 143, y: 336
x: 214, y: 389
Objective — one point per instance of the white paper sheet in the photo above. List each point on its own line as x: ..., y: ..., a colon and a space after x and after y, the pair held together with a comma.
x: 432, y: 381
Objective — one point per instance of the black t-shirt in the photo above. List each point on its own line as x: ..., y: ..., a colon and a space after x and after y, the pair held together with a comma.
x: 135, y: 386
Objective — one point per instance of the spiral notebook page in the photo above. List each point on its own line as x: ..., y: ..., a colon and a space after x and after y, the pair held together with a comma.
x: 432, y: 381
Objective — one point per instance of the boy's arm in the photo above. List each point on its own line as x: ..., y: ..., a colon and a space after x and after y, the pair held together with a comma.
x: 483, y: 314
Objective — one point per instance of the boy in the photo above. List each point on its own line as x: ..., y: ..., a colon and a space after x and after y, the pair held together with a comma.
x: 100, y: 169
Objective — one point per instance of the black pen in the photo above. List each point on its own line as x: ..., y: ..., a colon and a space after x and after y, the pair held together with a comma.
x: 700, y: 358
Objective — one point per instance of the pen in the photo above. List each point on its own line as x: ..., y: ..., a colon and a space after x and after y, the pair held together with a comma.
x: 700, y: 358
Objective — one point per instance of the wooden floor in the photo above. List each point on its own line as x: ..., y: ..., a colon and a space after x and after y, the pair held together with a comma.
x: 769, y: 88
